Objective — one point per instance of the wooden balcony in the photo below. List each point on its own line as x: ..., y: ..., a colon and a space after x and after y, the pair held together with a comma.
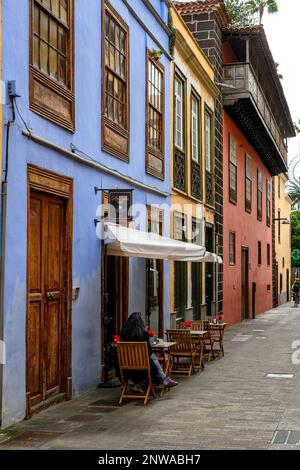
x: 248, y: 106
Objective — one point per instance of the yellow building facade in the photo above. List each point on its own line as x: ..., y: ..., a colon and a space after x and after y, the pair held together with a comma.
x: 193, y: 94
x: 283, y: 207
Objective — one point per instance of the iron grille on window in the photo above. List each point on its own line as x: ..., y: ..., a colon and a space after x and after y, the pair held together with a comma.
x: 179, y: 170
x: 196, y: 181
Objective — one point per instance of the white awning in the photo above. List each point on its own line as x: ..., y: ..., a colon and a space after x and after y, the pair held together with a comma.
x: 125, y: 241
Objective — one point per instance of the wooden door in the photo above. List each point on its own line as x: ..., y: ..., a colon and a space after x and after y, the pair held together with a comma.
x: 245, y: 283
x: 47, y: 303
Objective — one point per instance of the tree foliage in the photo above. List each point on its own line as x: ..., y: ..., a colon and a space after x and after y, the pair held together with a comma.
x: 297, y: 126
x: 295, y: 219
x: 260, y: 6
x: 248, y: 12
x: 294, y: 191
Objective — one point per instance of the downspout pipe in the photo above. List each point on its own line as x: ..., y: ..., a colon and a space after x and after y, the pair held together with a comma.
x: 4, y: 187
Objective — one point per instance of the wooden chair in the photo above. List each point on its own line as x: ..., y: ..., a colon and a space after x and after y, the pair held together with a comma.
x: 209, y: 340
x: 184, y: 348
x: 134, y: 357
x: 217, y: 333
x: 199, y: 342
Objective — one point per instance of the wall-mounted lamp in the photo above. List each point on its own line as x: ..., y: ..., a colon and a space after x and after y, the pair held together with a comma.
x: 283, y: 220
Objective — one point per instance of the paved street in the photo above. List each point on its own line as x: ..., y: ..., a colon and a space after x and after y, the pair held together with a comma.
x: 232, y: 405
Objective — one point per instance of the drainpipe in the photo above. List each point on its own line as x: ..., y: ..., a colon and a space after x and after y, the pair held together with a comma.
x: 4, y: 187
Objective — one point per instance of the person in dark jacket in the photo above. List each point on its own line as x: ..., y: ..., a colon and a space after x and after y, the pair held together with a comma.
x: 134, y: 330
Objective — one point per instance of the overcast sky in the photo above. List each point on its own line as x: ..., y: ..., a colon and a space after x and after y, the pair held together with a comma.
x: 283, y: 32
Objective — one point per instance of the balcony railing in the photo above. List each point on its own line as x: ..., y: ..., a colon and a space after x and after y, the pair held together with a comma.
x: 242, y: 77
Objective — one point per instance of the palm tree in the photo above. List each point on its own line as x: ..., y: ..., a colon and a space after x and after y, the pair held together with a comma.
x: 260, y: 6
x: 294, y: 191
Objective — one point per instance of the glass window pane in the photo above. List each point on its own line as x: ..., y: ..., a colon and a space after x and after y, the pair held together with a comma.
x: 62, y: 40
x: 106, y: 53
x: 64, y: 10
x: 53, y: 63
x: 44, y: 57
x: 112, y: 57
x: 117, y: 62
x: 55, y: 7
x: 112, y: 32
x: 44, y: 26
x: 122, y: 66
x: 106, y: 25
x: 117, y: 37
x: 36, y: 20
x: 122, y: 41
x: 36, y: 51
x: 62, y: 70
x: 53, y: 33
x: 116, y: 88
x: 110, y: 83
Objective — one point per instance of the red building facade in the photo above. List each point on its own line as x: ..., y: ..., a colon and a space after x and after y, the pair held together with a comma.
x: 247, y: 260
x: 254, y: 124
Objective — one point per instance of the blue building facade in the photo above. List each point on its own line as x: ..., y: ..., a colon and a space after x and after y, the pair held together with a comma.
x: 86, y: 122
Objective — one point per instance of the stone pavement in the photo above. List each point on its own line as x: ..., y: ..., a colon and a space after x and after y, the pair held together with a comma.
x: 231, y: 405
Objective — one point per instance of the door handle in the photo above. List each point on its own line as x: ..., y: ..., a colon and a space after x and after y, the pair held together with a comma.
x: 49, y: 296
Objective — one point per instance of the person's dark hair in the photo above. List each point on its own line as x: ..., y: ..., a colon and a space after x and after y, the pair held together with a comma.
x: 134, y: 328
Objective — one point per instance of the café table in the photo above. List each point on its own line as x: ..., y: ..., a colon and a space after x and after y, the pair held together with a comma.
x: 163, y: 349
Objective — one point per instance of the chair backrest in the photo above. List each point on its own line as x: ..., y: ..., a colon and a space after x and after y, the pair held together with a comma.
x: 198, y: 325
x: 182, y: 338
x: 133, y: 355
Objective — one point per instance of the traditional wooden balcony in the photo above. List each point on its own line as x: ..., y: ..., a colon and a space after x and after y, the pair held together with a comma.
x: 246, y: 103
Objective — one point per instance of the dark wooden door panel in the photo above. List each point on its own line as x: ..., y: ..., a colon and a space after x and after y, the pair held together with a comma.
x: 35, y: 313
x: 52, y: 347
x: 46, y: 296
x: 34, y: 352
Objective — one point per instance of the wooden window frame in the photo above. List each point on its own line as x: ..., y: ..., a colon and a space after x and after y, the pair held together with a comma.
x: 156, y: 214
x: 268, y: 254
x: 259, y: 195
x: 196, y: 164
x: 177, y: 150
x: 179, y: 76
x: 183, y: 264
x: 153, y: 155
x: 232, y: 261
x: 248, y: 179
x: 195, y: 96
x: 232, y: 165
x: 208, y: 111
x: 115, y: 138
x: 59, y: 106
x: 259, y: 253
x: 268, y: 202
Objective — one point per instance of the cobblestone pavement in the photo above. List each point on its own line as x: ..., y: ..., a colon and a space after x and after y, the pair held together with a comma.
x: 231, y: 405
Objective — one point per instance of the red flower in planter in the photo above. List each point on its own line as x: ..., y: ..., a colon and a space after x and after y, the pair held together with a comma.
x: 151, y: 332
x: 187, y: 324
x: 116, y: 339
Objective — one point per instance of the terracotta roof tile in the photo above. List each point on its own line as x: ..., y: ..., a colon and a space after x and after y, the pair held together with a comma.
x: 204, y: 6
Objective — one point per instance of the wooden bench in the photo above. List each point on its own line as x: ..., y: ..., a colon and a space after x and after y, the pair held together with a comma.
x: 134, y: 357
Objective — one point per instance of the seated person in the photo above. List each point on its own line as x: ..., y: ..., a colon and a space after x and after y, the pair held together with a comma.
x: 134, y: 330
x: 296, y: 289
